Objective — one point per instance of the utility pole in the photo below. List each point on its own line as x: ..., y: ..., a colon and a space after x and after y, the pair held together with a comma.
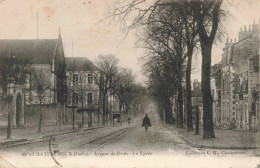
x: 82, y: 114
x: 37, y: 25
x: 9, y: 101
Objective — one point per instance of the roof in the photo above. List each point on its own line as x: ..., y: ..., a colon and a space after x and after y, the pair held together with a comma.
x: 196, y: 93
x: 256, y: 60
x: 36, y: 51
x: 215, y: 68
x: 241, y: 42
x: 80, y: 63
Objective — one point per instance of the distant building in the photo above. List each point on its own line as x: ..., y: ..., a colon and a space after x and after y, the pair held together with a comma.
x: 82, y: 90
x: 240, y: 80
x: 197, y: 99
x: 215, y: 83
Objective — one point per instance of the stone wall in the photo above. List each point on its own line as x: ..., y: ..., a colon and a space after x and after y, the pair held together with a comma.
x: 32, y: 114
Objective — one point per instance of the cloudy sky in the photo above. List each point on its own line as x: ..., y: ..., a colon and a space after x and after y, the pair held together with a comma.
x: 80, y: 25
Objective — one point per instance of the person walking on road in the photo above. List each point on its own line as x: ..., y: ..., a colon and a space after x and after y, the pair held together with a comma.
x: 129, y: 120
x: 146, y: 122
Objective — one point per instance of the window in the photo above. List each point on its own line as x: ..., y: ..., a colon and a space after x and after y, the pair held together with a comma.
x: 75, y: 78
x: 28, y: 81
x: 90, y: 78
x: 75, y: 98
x: 90, y: 98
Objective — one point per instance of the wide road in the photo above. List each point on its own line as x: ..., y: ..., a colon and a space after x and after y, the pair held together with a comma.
x: 127, y: 145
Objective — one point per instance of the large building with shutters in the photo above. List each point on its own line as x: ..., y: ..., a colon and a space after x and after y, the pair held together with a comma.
x: 240, y: 80
x: 82, y: 90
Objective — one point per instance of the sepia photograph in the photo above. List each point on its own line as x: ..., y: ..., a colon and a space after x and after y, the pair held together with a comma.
x: 129, y: 83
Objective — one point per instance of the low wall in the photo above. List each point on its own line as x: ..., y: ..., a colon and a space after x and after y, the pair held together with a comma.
x: 3, y: 113
x: 32, y: 114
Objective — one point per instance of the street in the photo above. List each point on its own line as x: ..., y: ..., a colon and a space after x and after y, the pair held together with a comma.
x: 128, y: 140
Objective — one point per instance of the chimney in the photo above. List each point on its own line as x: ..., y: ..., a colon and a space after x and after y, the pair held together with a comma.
x: 249, y: 29
x: 227, y: 39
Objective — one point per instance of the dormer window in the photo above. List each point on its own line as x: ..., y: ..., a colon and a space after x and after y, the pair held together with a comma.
x: 90, y: 78
x: 75, y: 79
x: 28, y: 81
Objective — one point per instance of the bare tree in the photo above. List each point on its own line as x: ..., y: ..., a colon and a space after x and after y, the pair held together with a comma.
x: 41, y: 88
x: 161, y: 86
x: 166, y: 40
x: 106, y: 78
x: 191, y: 40
x: 122, y: 87
x: 207, y: 15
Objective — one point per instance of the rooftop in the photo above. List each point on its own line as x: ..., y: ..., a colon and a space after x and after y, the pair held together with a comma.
x: 36, y: 51
x: 80, y: 63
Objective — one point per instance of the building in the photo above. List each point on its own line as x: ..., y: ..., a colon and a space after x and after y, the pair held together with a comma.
x: 240, y: 80
x: 215, y: 84
x: 31, y: 59
x: 196, y: 99
x: 82, y: 90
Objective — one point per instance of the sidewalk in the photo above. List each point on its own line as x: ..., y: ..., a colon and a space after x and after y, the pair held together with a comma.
x: 30, y: 135
x: 225, y: 139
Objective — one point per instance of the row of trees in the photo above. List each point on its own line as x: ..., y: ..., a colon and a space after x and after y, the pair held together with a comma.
x: 172, y: 30
x: 119, y: 82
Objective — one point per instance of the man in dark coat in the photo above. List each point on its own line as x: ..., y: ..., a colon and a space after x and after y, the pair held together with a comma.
x: 146, y: 122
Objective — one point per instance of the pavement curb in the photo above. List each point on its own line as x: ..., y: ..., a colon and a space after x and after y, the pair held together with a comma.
x: 193, y: 144
x: 41, y: 139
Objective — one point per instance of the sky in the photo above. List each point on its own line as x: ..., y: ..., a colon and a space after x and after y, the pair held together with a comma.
x: 84, y: 34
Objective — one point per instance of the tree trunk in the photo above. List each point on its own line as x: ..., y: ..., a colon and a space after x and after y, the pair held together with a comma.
x: 40, y: 121
x: 98, y: 112
x: 107, y: 111
x: 82, y: 114
x: 110, y: 110
x: 127, y: 109
x: 120, y: 106
x: 188, y: 93
x: 9, y: 128
x: 60, y: 116
x: 208, y: 128
x: 104, y: 109
x: 177, y: 114
x: 197, y: 130
x: 73, y: 117
x: 160, y: 110
x: 180, y: 101
x: 168, y: 112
